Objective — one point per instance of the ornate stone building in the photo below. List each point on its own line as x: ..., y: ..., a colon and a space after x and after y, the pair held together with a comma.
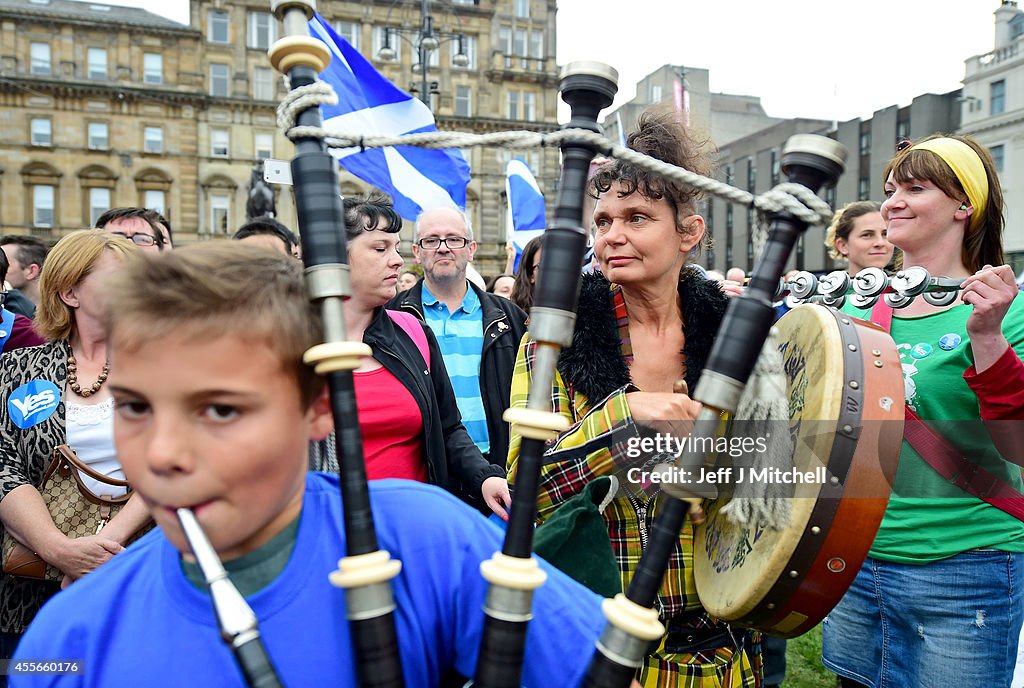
x: 510, y: 81
x: 106, y: 106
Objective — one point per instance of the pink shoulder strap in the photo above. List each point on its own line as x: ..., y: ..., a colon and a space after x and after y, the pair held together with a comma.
x: 412, y: 327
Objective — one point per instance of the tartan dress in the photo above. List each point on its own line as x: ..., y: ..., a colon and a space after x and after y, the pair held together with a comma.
x: 596, y: 367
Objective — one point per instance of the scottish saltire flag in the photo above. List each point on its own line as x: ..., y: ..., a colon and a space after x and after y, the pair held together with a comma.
x: 526, y: 217
x: 417, y: 179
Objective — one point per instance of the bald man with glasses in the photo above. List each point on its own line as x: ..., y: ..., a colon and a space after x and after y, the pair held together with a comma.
x: 478, y: 332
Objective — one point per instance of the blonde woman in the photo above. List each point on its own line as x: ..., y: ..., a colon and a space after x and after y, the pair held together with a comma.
x: 55, y: 394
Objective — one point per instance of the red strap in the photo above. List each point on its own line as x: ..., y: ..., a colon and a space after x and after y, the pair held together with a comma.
x: 947, y: 460
x: 881, y: 314
x: 412, y: 327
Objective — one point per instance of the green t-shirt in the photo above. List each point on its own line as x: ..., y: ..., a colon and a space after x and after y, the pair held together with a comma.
x: 927, y: 518
x: 254, y: 571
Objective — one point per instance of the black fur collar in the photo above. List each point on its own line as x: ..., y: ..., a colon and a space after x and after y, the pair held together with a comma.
x: 593, y: 365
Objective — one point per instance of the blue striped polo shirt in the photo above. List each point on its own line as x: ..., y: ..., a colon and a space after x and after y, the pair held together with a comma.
x: 461, y: 338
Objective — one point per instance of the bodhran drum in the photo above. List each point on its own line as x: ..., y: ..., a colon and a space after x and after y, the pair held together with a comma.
x: 845, y: 387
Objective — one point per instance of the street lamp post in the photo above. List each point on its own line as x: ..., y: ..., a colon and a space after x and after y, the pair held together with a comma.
x: 427, y: 40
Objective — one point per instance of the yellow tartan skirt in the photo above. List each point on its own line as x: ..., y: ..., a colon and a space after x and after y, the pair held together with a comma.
x: 723, y: 668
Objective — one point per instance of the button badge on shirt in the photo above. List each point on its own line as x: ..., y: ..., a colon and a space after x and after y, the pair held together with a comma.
x: 948, y: 342
x: 921, y: 350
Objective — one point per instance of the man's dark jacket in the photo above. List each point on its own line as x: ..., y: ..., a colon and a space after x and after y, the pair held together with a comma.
x: 504, y: 325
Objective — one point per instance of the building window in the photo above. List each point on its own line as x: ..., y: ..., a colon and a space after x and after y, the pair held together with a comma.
x: 865, y: 143
x: 997, y: 97
x: 262, y: 83
x: 776, y: 167
x: 42, y: 132
x: 530, y: 106
x: 863, y: 189
x: 463, y: 101
x: 220, y: 210
x: 902, y: 130
x: 40, y: 63
x: 98, y: 64
x: 42, y: 205
x: 152, y: 68
x: 728, y: 235
x: 505, y: 43
x: 519, y: 44
x: 998, y: 156
x: 99, y: 136
x: 219, y: 80
x: 394, y: 42
x: 522, y: 9
x: 349, y: 31
x: 217, y: 26
x: 153, y: 140
x: 99, y: 203
x: 468, y: 49
x: 219, y: 141
x: 264, y: 146
x: 513, y: 104
x: 751, y: 228
x: 155, y: 200
x: 262, y: 30
x: 751, y: 173
x: 537, y: 45
x: 729, y: 176
x: 655, y: 93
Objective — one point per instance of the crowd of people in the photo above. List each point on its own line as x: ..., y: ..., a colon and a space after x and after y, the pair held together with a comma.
x: 179, y: 372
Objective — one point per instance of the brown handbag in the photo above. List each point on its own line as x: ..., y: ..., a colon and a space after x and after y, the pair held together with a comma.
x: 75, y: 509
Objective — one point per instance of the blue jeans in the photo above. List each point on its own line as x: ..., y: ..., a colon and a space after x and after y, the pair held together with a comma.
x: 951, y: 622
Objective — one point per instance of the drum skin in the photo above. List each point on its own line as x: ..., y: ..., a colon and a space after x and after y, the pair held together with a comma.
x: 845, y: 387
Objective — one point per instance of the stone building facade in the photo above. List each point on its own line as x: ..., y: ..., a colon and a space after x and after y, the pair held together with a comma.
x: 106, y: 106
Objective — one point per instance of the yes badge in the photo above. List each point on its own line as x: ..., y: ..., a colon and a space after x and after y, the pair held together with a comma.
x: 33, y: 402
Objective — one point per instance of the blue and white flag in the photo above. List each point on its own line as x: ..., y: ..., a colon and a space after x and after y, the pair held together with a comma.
x: 526, y: 218
x: 417, y: 179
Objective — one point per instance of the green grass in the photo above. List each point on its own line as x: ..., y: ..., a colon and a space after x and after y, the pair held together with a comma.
x: 803, y: 663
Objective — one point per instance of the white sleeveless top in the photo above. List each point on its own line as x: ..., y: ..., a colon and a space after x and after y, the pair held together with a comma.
x: 90, y: 432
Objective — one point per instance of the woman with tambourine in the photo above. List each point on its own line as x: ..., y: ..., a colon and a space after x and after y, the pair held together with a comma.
x: 940, y: 594
x: 644, y: 322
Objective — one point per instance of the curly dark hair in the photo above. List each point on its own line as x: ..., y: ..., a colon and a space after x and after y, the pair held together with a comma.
x: 659, y: 134
x: 365, y: 215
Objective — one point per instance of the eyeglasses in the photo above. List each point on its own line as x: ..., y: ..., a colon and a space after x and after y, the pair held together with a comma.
x: 903, y: 144
x: 138, y: 239
x: 433, y: 243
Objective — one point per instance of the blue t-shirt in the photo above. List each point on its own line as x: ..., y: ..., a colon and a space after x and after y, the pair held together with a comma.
x: 460, y: 335
x: 137, y: 621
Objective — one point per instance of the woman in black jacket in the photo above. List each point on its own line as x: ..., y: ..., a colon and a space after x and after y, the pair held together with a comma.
x: 408, y: 416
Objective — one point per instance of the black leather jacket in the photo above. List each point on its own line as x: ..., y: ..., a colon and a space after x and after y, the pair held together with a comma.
x: 453, y: 461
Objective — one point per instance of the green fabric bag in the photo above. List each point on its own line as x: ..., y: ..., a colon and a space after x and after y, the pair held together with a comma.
x: 575, y: 539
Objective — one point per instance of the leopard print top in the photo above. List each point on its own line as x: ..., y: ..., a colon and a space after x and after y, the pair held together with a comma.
x: 24, y: 456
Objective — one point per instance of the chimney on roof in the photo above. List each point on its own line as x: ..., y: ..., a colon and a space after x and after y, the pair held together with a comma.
x: 1007, y: 11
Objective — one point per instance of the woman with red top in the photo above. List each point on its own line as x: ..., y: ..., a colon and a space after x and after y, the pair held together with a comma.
x: 940, y: 593
x: 409, y: 420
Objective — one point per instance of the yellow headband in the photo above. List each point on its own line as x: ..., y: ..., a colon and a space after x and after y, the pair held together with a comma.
x: 967, y: 167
